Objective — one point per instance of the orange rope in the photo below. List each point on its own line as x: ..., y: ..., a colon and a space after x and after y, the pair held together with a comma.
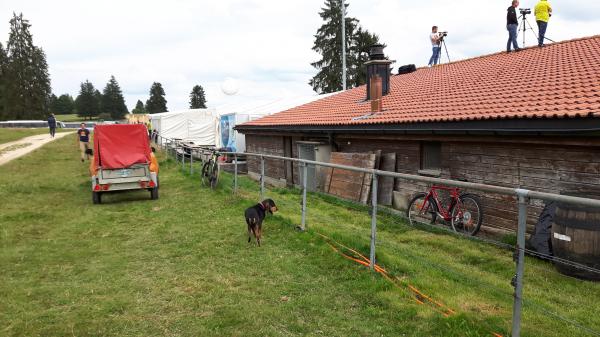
x: 419, y: 297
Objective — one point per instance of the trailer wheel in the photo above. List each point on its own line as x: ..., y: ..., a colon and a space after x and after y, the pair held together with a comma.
x: 96, y: 198
x: 154, y: 193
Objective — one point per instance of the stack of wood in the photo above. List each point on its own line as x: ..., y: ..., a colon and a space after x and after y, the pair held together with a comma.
x: 356, y: 186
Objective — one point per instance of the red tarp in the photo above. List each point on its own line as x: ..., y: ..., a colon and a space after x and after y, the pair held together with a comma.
x: 121, y: 145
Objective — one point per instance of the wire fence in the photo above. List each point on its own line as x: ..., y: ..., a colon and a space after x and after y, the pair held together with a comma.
x: 185, y: 154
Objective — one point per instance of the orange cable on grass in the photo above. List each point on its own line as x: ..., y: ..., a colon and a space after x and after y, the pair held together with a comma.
x: 419, y: 296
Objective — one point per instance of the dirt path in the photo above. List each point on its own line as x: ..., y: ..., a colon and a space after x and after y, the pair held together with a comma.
x: 21, y: 147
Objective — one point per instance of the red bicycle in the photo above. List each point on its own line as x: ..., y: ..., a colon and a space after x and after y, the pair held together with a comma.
x: 463, y: 212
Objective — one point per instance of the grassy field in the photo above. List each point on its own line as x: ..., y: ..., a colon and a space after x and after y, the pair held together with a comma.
x: 8, y: 135
x: 72, y: 118
x: 181, y: 266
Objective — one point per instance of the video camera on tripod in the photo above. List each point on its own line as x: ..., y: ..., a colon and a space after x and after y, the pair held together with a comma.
x: 525, y: 11
x: 443, y: 34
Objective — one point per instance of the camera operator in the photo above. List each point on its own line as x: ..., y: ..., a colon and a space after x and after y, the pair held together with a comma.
x: 543, y: 12
x: 512, y: 24
x: 436, y: 43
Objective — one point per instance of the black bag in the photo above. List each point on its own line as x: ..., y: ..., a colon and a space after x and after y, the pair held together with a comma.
x: 541, y: 240
x: 407, y: 69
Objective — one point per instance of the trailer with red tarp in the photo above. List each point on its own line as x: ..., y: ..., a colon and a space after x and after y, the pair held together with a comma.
x: 123, y: 160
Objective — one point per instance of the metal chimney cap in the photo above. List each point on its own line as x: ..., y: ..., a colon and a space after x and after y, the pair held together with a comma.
x: 376, y: 52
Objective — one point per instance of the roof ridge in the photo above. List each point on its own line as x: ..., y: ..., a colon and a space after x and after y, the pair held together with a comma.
x: 503, y: 52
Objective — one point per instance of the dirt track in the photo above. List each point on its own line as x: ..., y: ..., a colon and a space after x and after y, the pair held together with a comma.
x: 21, y: 147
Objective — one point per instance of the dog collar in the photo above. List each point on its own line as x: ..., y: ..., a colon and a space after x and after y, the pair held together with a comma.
x: 261, y: 205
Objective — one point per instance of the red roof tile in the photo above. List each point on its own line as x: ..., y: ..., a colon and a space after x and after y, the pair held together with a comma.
x: 561, y: 80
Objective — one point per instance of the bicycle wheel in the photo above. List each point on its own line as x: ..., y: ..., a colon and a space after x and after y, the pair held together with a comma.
x: 421, y: 210
x: 214, y: 175
x: 467, y: 215
x: 204, y: 174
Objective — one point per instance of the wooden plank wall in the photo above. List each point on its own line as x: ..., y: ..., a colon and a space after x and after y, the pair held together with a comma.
x: 271, y: 145
x: 549, y: 168
x: 386, y: 184
x: 546, y: 168
x: 348, y: 184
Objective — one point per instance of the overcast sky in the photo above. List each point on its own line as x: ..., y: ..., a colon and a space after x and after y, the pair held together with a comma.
x: 264, y: 44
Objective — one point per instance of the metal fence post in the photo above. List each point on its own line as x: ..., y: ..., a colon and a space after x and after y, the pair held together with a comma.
x: 182, y: 160
x: 304, y: 183
x: 517, y: 281
x: 373, y: 220
x: 191, y: 161
x: 262, y: 177
x: 235, y: 173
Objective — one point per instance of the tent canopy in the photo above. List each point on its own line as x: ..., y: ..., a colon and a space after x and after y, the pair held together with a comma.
x: 195, y: 125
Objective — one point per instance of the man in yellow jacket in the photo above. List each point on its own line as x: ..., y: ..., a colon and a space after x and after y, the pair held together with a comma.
x: 543, y: 12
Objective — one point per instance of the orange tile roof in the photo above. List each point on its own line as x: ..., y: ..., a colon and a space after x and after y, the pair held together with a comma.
x: 561, y: 80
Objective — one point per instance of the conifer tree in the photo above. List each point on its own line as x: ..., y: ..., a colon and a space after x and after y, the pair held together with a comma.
x: 112, y: 101
x: 27, y: 82
x: 362, y: 41
x: 139, y: 108
x: 328, y: 43
x: 2, y: 81
x: 87, y: 102
x: 197, y: 98
x: 157, y: 102
x: 62, y: 105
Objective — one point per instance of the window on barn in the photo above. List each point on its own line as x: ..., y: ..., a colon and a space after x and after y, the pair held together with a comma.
x: 431, y: 157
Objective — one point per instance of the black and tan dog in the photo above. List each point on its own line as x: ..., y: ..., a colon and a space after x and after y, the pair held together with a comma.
x: 255, y: 216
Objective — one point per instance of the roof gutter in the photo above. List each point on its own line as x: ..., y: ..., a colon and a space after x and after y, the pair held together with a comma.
x: 509, y: 126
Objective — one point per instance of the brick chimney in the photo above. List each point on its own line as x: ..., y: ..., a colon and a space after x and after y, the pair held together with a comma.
x: 376, y: 93
x: 378, y: 65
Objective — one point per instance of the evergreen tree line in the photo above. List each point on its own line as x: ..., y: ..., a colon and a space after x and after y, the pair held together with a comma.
x: 25, y: 90
x: 328, y: 43
x: 110, y: 104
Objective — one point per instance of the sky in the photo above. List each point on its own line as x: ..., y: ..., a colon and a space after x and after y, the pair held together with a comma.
x: 264, y: 45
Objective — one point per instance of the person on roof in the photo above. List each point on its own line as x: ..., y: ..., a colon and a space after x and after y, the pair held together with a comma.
x: 542, y: 12
x: 83, y: 134
x: 512, y: 24
x: 436, y: 46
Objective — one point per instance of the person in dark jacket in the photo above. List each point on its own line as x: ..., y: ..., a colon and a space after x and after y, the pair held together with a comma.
x: 512, y: 24
x: 52, y: 125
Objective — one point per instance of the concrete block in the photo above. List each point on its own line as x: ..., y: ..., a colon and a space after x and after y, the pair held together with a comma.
x: 401, y: 199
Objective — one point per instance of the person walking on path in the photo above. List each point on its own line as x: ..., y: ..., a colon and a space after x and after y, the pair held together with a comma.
x: 542, y: 12
x: 52, y: 125
x: 512, y: 24
x: 83, y: 135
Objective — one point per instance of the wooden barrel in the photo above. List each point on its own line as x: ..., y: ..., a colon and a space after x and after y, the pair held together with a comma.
x: 576, y: 237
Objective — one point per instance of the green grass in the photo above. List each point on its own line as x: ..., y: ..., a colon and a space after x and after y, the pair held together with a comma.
x: 8, y: 135
x: 181, y: 266
x: 72, y: 118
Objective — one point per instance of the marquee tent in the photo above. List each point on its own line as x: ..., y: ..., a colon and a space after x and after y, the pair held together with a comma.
x: 195, y: 125
x: 233, y: 114
x: 215, y: 127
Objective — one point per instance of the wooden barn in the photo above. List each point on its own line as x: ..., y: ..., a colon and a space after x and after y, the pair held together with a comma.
x: 529, y: 119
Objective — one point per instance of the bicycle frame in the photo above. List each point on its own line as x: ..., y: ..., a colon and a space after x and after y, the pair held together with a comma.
x: 446, y: 214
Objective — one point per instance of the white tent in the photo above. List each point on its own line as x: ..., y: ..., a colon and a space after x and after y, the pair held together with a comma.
x: 234, y: 114
x: 196, y: 125
x: 216, y: 126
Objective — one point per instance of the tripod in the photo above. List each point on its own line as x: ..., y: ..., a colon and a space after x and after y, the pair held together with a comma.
x: 443, y: 43
x: 524, y: 26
